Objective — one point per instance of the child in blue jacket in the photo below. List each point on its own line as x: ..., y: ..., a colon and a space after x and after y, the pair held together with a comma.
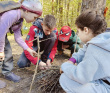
x: 91, y: 75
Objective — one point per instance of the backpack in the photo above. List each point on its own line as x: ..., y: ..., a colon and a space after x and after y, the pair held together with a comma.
x: 8, y: 5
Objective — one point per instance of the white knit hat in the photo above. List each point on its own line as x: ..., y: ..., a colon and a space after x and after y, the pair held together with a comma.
x: 33, y: 6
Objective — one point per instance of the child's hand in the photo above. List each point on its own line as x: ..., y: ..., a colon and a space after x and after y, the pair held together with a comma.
x: 61, y: 71
x: 70, y: 62
x: 35, y: 54
x: 65, y: 46
x: 48, y: 63
x: 75, y: 64
x: 2, y: 56
x: 42, y: 65
x: 32, y: 52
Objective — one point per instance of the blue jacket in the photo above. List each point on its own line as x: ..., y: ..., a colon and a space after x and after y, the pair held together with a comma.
x: 93, y: 61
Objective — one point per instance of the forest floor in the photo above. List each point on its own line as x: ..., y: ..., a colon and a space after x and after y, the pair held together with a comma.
x: 26, y: 73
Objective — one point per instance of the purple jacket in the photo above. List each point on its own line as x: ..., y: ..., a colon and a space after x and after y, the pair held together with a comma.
x: 7, y: 19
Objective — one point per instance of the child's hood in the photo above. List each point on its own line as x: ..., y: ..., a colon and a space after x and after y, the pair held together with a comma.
x: 38, y: 23
x: 101, y: 40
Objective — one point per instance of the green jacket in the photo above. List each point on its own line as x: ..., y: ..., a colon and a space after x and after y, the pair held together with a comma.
x: 72, y: 39
x: 71, y: 42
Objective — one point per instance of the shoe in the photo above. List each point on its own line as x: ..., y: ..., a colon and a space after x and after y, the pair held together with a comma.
x: 2, y: 84
x: 12, y: 77
x: 28, y: 64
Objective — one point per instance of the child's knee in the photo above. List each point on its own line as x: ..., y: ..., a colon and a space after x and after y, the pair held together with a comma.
x: 62, y: 79
x: 21, y: 64
x: 65, y: 84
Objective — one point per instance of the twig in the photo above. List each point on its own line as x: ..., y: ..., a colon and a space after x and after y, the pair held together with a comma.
x: 75, y: 44
x: 47, y: 38
x: 36, y: 65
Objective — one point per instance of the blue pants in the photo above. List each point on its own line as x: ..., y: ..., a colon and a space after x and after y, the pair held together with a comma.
x: 24, y: 61
x: 7, y: 64
x: 71, y: 86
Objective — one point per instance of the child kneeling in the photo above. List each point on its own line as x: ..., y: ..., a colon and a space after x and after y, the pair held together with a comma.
x: 91, y: 75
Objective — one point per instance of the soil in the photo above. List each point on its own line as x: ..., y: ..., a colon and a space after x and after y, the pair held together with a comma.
x: 26, y: 73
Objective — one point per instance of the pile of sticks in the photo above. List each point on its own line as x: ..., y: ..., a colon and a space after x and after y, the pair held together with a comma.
x: 46, y: 81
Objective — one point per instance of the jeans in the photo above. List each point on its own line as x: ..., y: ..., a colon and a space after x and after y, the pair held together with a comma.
x: 7, y: 64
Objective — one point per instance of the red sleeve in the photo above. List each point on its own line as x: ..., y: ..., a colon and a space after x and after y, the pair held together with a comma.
x: 54, y: 49
x: 29, y: 38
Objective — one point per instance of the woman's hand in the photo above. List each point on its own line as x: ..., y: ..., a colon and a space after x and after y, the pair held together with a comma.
x: 32, y: 52
x: 2, y: 56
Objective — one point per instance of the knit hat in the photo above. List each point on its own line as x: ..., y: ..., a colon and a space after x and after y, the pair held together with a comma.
x: 33, y: 6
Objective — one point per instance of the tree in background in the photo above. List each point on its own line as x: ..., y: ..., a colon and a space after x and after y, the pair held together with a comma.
x: 94, y: 4
x: 66, y: 11
x: 100, y: 5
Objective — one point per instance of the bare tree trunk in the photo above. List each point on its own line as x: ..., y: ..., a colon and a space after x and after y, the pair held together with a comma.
x: 52, y: 7
x: 64, y: 12
x: 78, y: 9
x: 42, y: 4
x: 72, y: 22
x: 67, y: 14
x: 57, y: 12
x: 61, y: 12
x: 94, y: 4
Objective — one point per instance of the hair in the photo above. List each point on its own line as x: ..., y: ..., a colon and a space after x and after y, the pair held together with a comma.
x: 49, y: 21
x: 92, y: 20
